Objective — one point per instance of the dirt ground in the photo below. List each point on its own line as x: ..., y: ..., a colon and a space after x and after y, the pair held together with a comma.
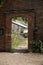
x: 21, y: 58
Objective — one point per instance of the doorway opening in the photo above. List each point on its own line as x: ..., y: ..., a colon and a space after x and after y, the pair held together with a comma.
x: 19, y: 33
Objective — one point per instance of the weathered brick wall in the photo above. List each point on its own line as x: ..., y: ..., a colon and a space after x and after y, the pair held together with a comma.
x: 10, y: 5
x: 2, y: 32
x: 40, y: 24
x: 7, y: 33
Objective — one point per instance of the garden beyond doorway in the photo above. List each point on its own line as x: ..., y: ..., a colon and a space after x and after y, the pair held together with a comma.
x: 19, y: 33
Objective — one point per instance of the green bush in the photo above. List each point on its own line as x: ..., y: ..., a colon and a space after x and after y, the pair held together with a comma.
x: 36, y: 46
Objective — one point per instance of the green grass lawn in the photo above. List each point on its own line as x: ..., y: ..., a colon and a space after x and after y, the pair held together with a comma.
x: 17, y: 39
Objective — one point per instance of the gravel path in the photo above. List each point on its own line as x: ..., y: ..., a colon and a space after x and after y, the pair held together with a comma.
x: 21, y: 59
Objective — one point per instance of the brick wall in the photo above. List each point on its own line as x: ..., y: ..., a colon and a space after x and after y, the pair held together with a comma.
x: 5, y: 22
x: 2, y: 32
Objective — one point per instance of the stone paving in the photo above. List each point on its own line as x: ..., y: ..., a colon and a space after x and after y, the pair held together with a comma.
x: 21, y: 58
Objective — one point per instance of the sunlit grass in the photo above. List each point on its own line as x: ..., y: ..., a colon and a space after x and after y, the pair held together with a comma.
x: 17, y: 39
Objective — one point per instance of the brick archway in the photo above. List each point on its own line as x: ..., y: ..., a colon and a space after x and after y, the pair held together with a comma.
x: 9, y: 16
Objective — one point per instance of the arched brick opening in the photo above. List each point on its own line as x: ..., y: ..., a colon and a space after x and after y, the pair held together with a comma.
x: 8, y: 23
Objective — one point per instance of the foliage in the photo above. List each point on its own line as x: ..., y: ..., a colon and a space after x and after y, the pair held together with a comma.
x: 19, y: 18
x: 17, y: 39
x: 36, y: 46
